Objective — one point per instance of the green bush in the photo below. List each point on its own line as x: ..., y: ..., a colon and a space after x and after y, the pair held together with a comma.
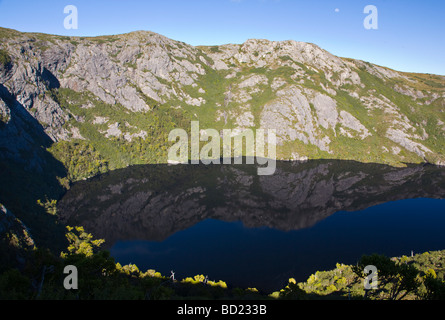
x: 14, y: 285
x: 79, y: 158
x: 5, y: 59
x: 396, y: 280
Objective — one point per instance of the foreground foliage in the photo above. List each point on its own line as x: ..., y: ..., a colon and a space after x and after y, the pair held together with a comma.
x: 99, y: 277
x: 420, y: 277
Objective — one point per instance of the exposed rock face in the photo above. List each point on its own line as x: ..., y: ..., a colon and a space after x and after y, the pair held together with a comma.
x: 292, y: 117
x: 326, y: 110
x: 349, y: 121
x: 315, y: 100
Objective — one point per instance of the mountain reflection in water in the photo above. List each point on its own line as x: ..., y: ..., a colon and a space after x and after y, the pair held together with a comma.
x: 250, y: 230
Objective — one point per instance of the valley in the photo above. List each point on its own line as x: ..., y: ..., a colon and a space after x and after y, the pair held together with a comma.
x: 79, y: 112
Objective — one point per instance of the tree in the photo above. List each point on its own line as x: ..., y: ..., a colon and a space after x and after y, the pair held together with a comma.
x: 435, y: 288
x: 81, y: 242
x: 395, y: 280
x: 95, y: 266
x: 292, y: 291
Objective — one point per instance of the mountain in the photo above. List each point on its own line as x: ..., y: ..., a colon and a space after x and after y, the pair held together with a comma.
x: 101, y: 103
x: 72, y: 108
x: 75, y: 107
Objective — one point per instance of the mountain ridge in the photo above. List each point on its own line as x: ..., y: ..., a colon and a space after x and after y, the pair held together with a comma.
x: 95, y: 90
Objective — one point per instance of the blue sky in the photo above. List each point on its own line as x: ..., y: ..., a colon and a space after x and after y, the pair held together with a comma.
x: 410, y: 35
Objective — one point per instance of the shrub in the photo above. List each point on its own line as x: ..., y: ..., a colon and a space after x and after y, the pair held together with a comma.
x: 5, y: 59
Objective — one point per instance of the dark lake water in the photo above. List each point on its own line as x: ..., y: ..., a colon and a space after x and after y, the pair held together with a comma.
x: 258, y: 231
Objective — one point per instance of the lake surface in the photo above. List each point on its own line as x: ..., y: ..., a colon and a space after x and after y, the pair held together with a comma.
x: 229, y: 223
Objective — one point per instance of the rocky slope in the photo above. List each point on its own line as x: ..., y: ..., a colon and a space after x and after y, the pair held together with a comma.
x: 122, y: 94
